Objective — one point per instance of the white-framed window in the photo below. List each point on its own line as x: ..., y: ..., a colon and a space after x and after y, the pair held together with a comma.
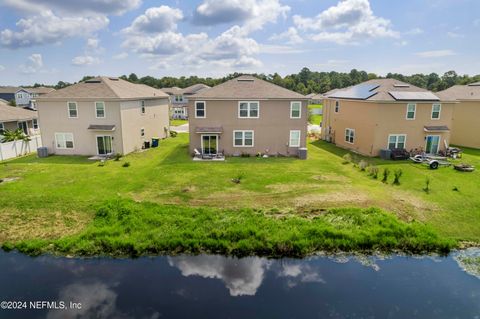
x: 20, y: 95
x: 248, y: 109
x: 397, y: 141
x: 350, y: 135
x: 100, y: 110
x: 72, y: 110
x: 200, y: 109
x: 142, y: 107
x: 178, y: 111
x: 178, y: 98
x: 295, y: 110
x: 35, y: 124
x: 337, y: 106
x: 411, y: 110
x: 294, y: 138
x: 64, y: 140
x: 243, y: 138
x: 142, y: 132
x: 436, y: 110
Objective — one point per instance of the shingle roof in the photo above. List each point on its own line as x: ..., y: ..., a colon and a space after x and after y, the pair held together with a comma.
x: 9, y: 89
x: 461, y: 92
x: 99, y: 127
x: 11, y: 113
x: 192, y: 89
x: 438, y: 128
x: 384, y: 88
x: 105, y: 88
x: 248, y: 87
x: 38, y: 90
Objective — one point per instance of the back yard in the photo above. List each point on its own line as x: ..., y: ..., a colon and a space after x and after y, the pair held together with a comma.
x: 70, y: 202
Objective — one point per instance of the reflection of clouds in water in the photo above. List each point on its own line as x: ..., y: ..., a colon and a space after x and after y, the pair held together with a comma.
x: 241, y: 276
x: 97, y: 300
x: 296, y: 273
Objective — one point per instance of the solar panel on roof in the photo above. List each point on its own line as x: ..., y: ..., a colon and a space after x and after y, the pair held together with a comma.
x: 413, y: 96
x: 357, y: 92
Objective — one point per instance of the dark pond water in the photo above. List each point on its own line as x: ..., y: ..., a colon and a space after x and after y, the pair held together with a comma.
x: 220, y: 287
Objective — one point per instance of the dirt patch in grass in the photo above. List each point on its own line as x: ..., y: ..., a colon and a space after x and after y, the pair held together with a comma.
x: 27, y: 224
x: 283, y: 188
x: 346, y: 197
x: 332, y: 178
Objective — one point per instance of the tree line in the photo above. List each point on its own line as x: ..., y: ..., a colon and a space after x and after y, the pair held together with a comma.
x: 306, y: 81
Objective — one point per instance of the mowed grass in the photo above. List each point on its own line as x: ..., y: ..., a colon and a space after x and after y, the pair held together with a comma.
x: 315, y: 118
x: 56, y: 202
x: 177, y: 122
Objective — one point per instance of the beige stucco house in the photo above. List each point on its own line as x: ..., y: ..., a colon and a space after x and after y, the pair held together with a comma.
x: 102, y: 116
x: 386, y: 114
x: 247, y: 115
x: 13, y: 118
x: 466, y: 114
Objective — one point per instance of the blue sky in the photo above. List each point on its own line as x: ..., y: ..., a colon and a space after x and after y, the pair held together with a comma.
x: 47, y: 41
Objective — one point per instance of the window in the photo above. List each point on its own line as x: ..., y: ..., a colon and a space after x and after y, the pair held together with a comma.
x: 243, y: 138
x: 337, y: 106
x: 200, y: 111
x: 64, y: 140
x: 411, y: 108
x: 2, y: 128
x: 248, y: 109
x: 295, y: 110
x: 294, y: 139
x: 397, y: 141
x: 142, y: 132
x: 436, y: 109
x: 35, y: 124
x: 72, y: 110
x: 142, y: 104
x: 20, y: 95
x: 349, y: 135
x: 99, y: 109
x: 178, y: 98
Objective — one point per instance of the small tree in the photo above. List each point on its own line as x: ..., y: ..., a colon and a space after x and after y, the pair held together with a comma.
x: 386, y: 173
x: 363, y: 165
x: 347, y: 158
x: 397, y: 174
x: 373, y: 171
x: 17, y: 135
x: 12, y: 103
x: 427, y: 185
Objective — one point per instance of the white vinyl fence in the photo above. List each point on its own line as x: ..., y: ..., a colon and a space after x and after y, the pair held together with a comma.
x: 19, y: 148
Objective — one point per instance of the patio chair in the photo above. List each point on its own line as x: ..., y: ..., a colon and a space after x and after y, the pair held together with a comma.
x: 197, y: 154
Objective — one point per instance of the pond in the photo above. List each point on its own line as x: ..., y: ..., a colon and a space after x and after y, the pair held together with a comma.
x: 210, y: 286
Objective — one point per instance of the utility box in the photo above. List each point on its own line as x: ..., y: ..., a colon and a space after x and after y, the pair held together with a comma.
x: 385, y: 154
x: 42, y: 151
x: 302, y: 153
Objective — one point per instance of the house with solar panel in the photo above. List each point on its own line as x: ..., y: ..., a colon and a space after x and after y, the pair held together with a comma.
x: 387, y: 114
x: 466, y: 113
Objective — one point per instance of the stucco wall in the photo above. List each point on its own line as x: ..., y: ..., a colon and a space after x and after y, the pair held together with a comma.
x: 466, y: 120
x: 271, y: 129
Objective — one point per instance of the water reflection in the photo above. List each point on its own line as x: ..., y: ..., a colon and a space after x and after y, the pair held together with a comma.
x: 242, y: 277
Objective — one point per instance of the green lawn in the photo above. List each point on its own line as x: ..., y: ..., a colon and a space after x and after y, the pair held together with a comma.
x: 177, y: 122
x: 287, y: 205
x: 315, y: 118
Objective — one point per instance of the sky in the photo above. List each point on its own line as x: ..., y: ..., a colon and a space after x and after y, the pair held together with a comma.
x: 47, y: 41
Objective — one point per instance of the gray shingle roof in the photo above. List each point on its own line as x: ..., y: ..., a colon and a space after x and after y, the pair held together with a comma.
x: 105, y: 88
x: 438, y: 128
x: 38, y: 90
x: 248, y: 87
x: 11, y: 113
x: 461, y: 92
x: 9, y: 89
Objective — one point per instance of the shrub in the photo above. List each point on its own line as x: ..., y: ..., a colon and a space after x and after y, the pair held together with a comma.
x: 347, y: 158
x: 245, y: 154
x: 397, y: 174
x: 237, y: 179
x: 126, y: 164
x: 117, y: 157
x: 363, y: 165
x: 426, y: 189
x: 455, y: 189
x: 173, y: 133
x: 373, y: 171
x: 386, y: 173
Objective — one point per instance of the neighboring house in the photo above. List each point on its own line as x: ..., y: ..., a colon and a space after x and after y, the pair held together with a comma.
x: 466, y: 114
x: 13, y: 118
x: 386, y: 114
x: 7, y: 93
x: 179, y: 99
x: 26, y: 97
x: 247, y: 115
x: 315, y: 99
x: 102, y: 116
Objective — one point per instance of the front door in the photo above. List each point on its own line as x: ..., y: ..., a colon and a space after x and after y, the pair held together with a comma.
x: 209, y: 144
x: 433, y: 142
x: 104, y: 145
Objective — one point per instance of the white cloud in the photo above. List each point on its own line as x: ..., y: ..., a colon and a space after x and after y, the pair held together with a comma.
x: 455, y: 35
x: 280, y: 49
x: 74, y: 7
x: 120, y: 56
x: 49, y: 28
x: 435, y: 53
x: 349, y: 21
x: 165, y: 43
x: 414, y: 31
x: 85, y: 60
x: 93, y: 43
x: 253, y: 14
x: 33, y: 65
x: 290, y: 36
x: 158, y: 19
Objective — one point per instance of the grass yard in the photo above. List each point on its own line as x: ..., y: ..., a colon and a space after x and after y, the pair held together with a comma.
x: 165, y: 202
x: 315, y: 118
x: 177, y: 122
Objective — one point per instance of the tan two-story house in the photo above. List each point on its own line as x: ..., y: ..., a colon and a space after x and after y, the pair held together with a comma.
x: 386, y: 114
x: 466, y: 114
x: 102, y: 116
x: 247, y: 115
